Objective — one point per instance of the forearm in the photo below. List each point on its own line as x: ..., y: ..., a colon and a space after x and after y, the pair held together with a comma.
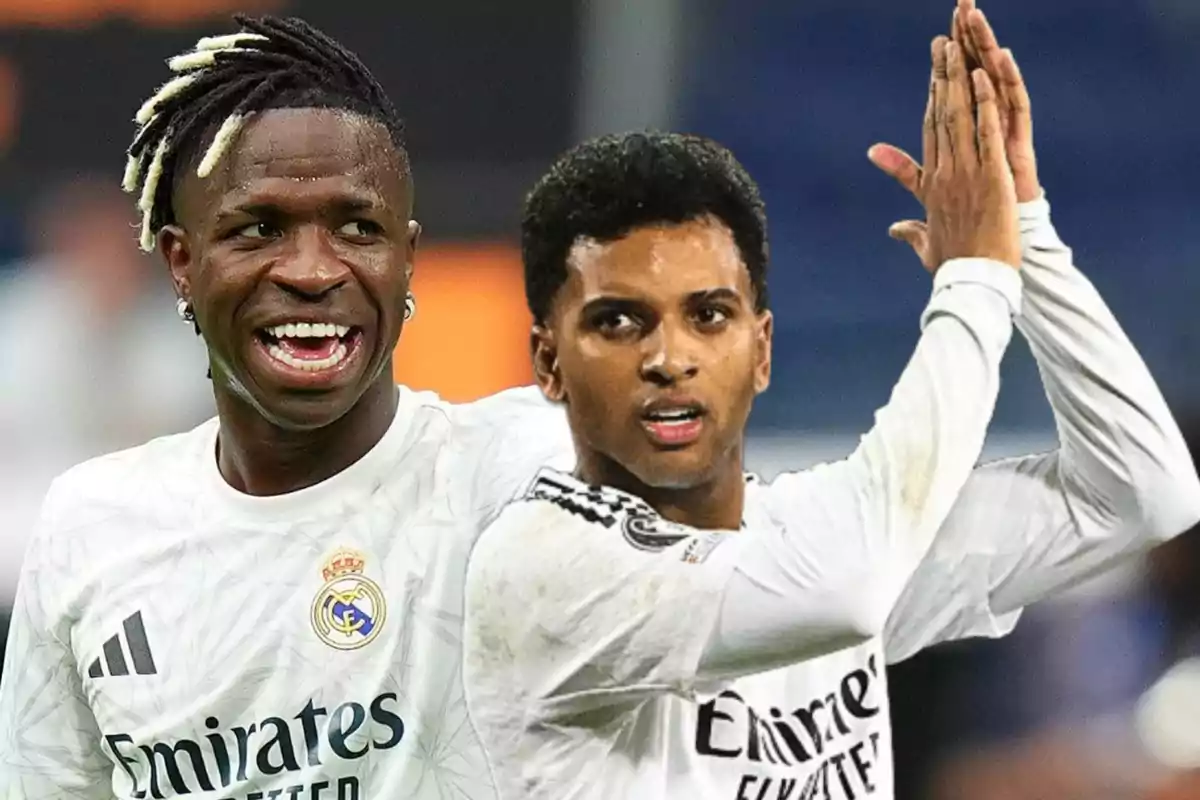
x: 1122, y: 458
x: 908, y: 470
x: 857, y: 530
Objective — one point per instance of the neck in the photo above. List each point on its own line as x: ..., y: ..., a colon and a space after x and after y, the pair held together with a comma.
x: 716, y: 503
x: 260, y: 458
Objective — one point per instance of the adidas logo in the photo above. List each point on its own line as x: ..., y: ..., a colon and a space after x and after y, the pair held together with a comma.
x: 134, y: 644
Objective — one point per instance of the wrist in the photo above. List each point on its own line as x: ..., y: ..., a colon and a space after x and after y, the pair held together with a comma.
x: 1034, y: 215
x: 1029, y: 192
x: 997, y: 275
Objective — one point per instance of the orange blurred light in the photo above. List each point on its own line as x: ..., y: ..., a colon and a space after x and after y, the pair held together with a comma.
x: 9, y: 96
x: 470, y: 335
x: 76, y: 13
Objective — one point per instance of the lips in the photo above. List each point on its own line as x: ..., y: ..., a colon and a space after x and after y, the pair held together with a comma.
x: 674, y: 422
x: 309, y: 353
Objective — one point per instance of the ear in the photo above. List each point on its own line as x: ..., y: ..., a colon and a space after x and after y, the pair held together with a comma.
x: 765, y: 328
x: 544, y: 350
x: 173, y: 244
x: 413, y: 238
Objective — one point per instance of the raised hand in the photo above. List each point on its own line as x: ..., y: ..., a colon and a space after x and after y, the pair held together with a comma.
x: 971, y: 201
x: 966, y: 184
x: 971, y: 29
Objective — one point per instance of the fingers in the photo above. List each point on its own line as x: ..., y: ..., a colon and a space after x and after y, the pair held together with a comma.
x: 958, y: 22
x: 990, y: 56
x: 910, y: 231
x: 1006, y: 76
x: 1018, y: 124
x: 982, y: 36
x: 991, y: 135
x: 941, y: 82
x: 985, y: 47
x: 961, y: 32
x: 958, y: 117
x: 899, y: 164
x: 1015, y: 95
x: 916, y: 235
x: 929, y: 149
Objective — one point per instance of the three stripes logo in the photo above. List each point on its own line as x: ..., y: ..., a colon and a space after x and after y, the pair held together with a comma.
x: 130, y: 640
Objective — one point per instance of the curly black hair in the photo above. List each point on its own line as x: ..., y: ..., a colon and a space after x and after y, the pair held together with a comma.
x: 268, y: 63
x: 608, y: 186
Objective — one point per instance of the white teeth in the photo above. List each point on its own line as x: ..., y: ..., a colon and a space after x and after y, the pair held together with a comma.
x: 308, y: 330
x: 674, y: 415
x: 309, y: 364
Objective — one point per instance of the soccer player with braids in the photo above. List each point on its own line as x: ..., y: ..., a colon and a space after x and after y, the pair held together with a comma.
x: 271, y: 63
x: 268, y: 605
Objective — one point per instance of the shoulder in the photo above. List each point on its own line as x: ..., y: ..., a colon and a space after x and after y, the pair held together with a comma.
x: 557, y: 511
x: 532, y: 519
x: 564, y: 552
x: 128, y: 479
x: 86, y: 513
x: 493, y: 446
x: 509, y: 424
x: 520, y: 407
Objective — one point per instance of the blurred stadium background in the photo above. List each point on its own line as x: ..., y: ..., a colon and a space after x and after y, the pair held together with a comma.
x: 92, y: 357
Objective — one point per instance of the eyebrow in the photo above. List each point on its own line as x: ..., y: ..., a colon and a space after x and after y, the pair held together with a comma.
x: 340, y: 205
x: 722, y: 293
x: 621, y: 301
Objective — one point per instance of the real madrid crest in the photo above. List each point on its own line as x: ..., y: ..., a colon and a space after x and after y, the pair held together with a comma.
x: 649, y: 531
x: 349, y: 610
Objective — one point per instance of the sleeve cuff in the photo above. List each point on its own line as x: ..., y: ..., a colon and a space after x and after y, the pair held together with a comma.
x: 995, y: 275
x: 1034, y: 215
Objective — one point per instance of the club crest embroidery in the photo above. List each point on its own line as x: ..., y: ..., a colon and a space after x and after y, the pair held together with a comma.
x: 648, y: 531
x: 349, y: 610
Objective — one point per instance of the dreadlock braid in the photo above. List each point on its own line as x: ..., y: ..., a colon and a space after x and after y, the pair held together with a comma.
x: 269, y: 63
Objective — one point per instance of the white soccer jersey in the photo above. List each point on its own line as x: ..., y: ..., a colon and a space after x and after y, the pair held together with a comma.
x: 611, y: 654
x: 591, y: 624
x: 593, y: 671
x: 174, y: 633
x: 175, y: 638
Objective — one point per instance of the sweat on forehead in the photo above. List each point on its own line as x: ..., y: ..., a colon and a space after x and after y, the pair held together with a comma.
x: 657, y: 264
x: 305, y: 145
x: 224, y: 83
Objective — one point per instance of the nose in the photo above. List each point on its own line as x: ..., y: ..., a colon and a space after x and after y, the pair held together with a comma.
x: 670, y: 356
x: 311, y: 268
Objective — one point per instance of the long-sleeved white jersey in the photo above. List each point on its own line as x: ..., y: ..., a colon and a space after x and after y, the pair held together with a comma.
x: 174, y: 638
x: 611, y: 654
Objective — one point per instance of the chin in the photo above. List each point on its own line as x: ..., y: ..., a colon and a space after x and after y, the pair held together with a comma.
x: 679, y: 469
x: 305, y: 413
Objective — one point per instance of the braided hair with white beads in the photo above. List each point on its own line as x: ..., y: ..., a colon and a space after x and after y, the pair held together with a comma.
x: 194, y: 118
